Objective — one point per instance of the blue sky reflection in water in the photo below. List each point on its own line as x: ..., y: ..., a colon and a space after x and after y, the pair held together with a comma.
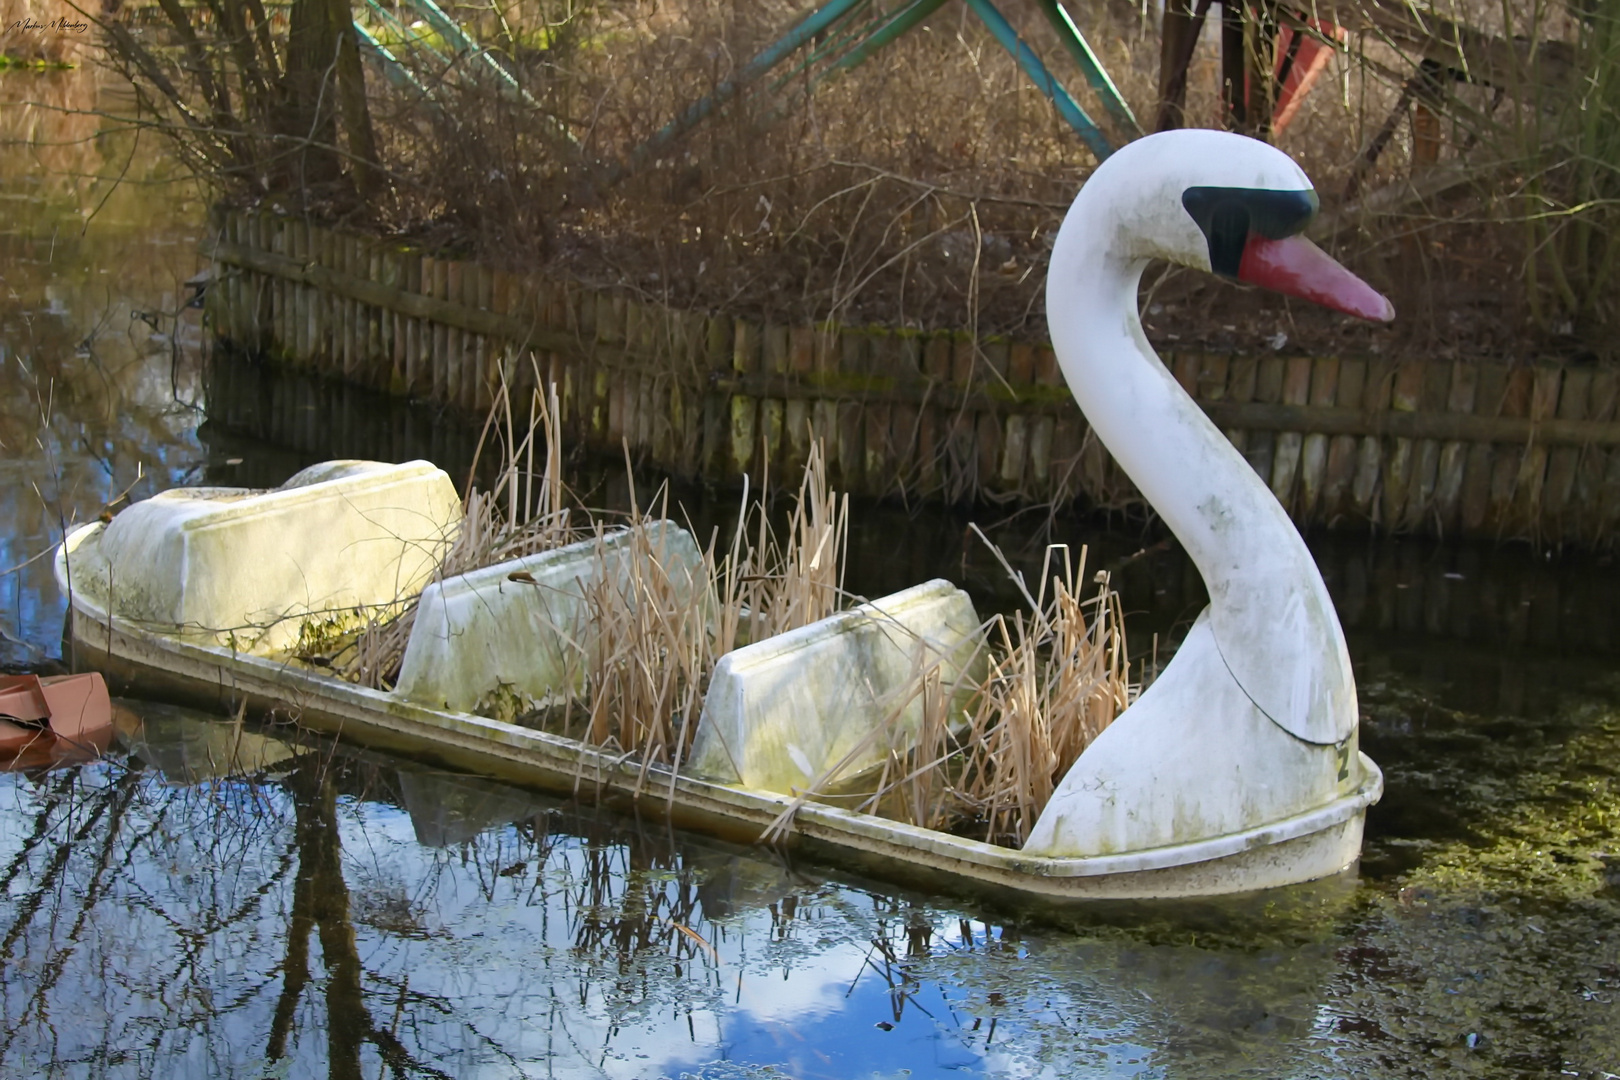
x: 218, y: 901
x: 214, y: 897
x: 217, y: 895
x: 566, y: 943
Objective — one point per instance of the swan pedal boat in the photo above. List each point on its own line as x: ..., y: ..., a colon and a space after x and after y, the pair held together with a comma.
x: 1237, y: 770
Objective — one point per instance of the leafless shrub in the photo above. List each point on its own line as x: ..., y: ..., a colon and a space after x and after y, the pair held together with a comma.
x: 1461, y: 152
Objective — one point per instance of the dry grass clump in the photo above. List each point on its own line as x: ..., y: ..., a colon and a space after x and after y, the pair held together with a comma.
x: 915, y: 190
x: 652, y: 626
x: 524, y: 513
x: 990, y: 751
x: 646, y: 648
x: 772, y: 586
x: 1058, y: 676
x: 657, y: 631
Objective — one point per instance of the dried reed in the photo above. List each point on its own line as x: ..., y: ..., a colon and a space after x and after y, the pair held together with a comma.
x: 657, y: 631
x: 647, y: 646
x: 988, y: 755
x: 772, y: 587
x: 648, y: 637
x: 522, y: 514
x: 1059, y: 677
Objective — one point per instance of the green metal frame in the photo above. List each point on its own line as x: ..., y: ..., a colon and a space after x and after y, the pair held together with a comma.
x: 388, y: 62
x: 842, y: 41
x: 838, y: 39
x: 404, y: 32
x: 819, y: 21
x: 1079, y: 50
x: 1043, y: 79
x: 447, y: 29
x: 458, y: 40
x: 903, y: 20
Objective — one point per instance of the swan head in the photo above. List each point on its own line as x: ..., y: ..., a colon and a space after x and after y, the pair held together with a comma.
x: 1219, y: 202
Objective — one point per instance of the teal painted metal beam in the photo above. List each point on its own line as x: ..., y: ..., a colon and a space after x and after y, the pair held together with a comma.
x: 892, y: 26
x: 1043, y: 79
x: 904, y: 19
x: 846, y: 29
x: 694, y: 114
x: 416, y: 41
x: 1074, y: 42
x: 391, y: 68
x: 831, y: 43
x: 458, y: 39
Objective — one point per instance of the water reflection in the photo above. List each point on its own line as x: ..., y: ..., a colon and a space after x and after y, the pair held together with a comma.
x: 172, y: 743
x: 1383, y: 587
x: 217, y: 896
x: 307, y: 925
x: 98, y: 353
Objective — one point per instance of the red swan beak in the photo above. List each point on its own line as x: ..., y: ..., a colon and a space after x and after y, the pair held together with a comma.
x: 1296, y: 267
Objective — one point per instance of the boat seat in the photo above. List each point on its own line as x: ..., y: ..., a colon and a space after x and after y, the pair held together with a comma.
x: 260, y: 570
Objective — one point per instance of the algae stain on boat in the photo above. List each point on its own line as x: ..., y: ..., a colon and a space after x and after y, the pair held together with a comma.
x: 506, y: 703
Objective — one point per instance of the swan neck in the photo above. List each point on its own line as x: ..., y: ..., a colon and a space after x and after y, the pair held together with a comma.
x: 1183, y: 465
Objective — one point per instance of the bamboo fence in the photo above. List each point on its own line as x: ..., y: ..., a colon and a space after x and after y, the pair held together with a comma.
x: 1471, y: 592
x: 1409, y: 445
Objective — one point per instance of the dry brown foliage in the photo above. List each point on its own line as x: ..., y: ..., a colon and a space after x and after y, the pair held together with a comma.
x: 990, y: 750
x: 649, y: 638
x: 656, y: 634
x: 1058, y: 676
x: 923, y: 187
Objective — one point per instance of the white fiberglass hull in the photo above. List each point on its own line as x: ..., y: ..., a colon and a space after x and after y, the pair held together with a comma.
x: 1319, y: 843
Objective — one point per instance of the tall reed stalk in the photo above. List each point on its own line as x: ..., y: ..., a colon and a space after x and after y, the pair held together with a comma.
x: 657, y: 631
x: 524, y: 513
x: 990, y: 752
x: 652, y: 626
x: 1058, y: 678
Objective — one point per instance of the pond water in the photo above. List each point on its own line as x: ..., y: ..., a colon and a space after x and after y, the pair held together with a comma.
x: 225, y: 900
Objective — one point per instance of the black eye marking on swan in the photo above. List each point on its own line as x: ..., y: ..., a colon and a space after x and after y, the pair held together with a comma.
x: 1227, y: 216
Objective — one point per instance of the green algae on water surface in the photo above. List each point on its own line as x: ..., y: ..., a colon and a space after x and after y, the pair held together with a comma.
x: 1535, y: 801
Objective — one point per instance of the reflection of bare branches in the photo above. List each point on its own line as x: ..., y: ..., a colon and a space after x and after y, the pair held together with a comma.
x: 121, y: 795
x: 321, y: 903
x: 42, y: 823
x: 189, y: 913
x: 78, y: 409
x: 46, y: 882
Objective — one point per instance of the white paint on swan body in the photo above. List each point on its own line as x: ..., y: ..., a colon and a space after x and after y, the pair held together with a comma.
x: 1192, y: 758
x: 1253, y: 718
